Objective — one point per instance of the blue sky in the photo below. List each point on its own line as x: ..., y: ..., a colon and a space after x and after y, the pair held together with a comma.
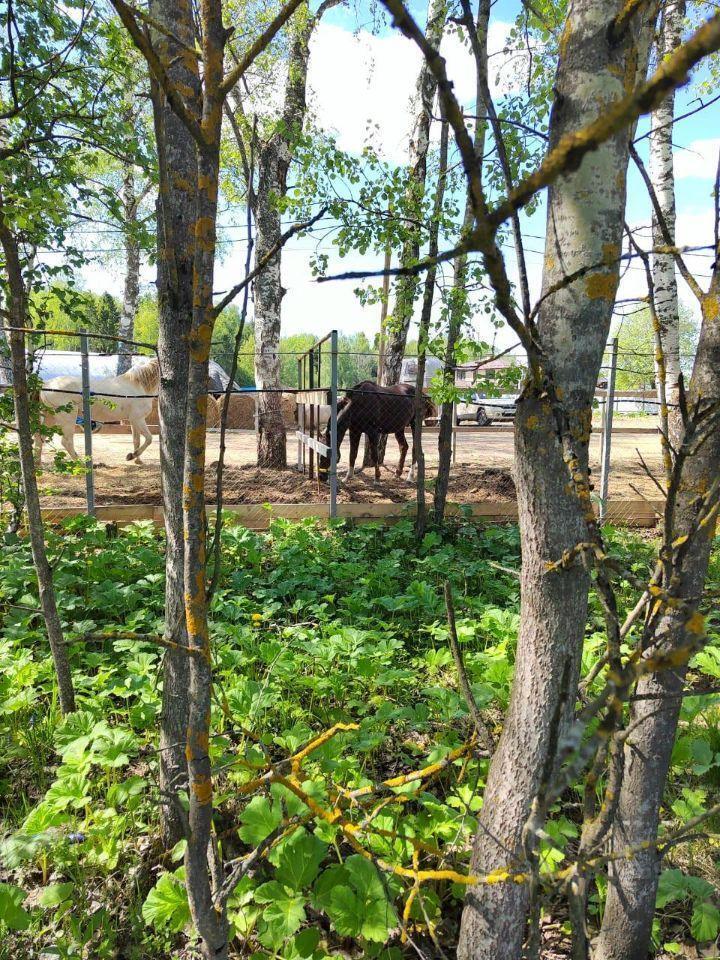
x: 363, y: 73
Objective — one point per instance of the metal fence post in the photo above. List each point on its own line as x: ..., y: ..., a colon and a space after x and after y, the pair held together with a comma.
x: 607, y: 430
x: 454, y: 431
x: 300, y: 416
x: 332, y: 475
x: 87, y: 424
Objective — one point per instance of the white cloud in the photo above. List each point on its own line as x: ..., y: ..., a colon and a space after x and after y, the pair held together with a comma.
x: 697, y: 160
x: 363, y: 85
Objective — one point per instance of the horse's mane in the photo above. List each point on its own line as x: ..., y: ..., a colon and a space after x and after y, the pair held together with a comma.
x: 144, y: 375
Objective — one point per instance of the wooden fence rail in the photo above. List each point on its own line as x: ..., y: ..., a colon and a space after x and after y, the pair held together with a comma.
x: 256, y: 516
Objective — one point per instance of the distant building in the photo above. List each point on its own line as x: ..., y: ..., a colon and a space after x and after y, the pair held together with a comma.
x: 466, y: 374
x: 408, y: 370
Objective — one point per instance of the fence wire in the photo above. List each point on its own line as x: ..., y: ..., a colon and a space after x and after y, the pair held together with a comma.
x: 482, y: 438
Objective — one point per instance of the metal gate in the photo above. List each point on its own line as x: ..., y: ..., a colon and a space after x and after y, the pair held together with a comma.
x: 317, y: 401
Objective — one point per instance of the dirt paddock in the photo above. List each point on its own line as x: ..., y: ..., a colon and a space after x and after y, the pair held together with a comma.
x: 482, y: 472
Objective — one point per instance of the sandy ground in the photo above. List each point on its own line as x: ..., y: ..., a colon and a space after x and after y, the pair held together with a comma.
x: 482, y: 471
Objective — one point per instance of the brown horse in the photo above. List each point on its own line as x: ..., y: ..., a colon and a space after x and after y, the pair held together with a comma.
x: 374, y: 410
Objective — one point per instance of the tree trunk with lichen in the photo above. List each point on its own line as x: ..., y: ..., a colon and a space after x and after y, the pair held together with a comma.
x: 632, y: 880
x: 273, y: 163
x: 18, y: 317
x: 663, y: 264
x: 201, y: 867
x: 584, y: 228
x: 177, y: 166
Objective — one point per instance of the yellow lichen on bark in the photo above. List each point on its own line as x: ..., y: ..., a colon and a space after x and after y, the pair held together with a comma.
x: 202, y: 790
x: 609, y: 253
x: 711, y: 307
x: 601, y: 286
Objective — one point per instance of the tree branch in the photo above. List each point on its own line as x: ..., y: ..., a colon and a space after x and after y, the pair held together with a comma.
x: 238, y: 288
x: 257, y: 47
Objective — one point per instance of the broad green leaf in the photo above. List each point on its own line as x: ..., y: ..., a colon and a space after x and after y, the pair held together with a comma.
x: 705, y: 921
x: 55, y: 894
x: 354, y: 898
x: 306, y: 942
x: 259, y: 818
x: 283, y: 913
x: 298, y: 859
x: 12, y: 913
x: 672, y: 886
x: 346, y: 912
x: 166, y: 905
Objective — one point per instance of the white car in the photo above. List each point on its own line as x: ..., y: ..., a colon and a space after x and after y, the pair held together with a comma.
x: 486, y: 410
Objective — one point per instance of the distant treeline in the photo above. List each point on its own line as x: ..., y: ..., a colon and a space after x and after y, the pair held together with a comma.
x: 66, y: 308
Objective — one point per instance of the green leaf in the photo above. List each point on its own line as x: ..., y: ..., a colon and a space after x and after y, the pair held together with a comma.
x: 283, y: 914
x: 306, y: 941
x: 298, y: 859
x: 672, y: 886
x: 166, y: 905
x: 705, y: 921
x: 12, y: 913
x: 346, y: 912
x: 56, y: 894
x: 354, y: 898
x: 259, y: 819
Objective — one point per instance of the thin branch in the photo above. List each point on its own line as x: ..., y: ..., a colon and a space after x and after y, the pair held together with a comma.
x: 272, y: 252
x: 664, y: 229
x: 481, y: 729
x: 257, y: 47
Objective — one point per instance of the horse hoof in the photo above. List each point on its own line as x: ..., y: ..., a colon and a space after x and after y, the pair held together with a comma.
x: 130, y: 456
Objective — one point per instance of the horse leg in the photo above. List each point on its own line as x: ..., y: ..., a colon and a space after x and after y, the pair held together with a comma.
x: 139, y: 428
x: 68, y: 440
x: 403, y: 444
x: 374, y: 453
x: 135, y: 442
x: 354, y: 444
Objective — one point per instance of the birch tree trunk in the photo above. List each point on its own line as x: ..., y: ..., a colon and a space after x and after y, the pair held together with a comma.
x: 424, y: 333
x: 398, y: 322
x: 630, y: 906
x: 273, y: 164
x: 274, y: 160
x: 663, y: 265
x: 17, y: 309
x: 175, y: 218
x: 458, y: 296
x: 131, y: 283
x: 584, y: 228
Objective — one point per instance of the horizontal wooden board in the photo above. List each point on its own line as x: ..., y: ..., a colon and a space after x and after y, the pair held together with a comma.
x: 314, y: 444
x: 257, y: 516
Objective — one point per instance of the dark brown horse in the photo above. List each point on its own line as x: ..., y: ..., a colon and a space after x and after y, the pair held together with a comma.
x: 374, y: 410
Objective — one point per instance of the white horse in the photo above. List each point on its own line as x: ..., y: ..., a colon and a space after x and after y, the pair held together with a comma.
x: 127, y: 397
